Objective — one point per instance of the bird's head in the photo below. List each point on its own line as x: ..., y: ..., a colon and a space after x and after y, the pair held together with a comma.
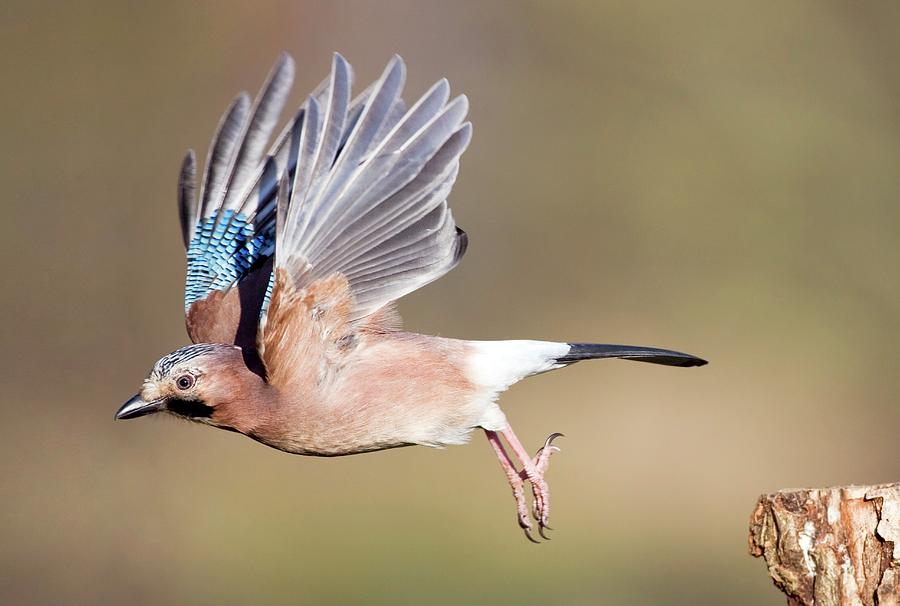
x: 201, y: 382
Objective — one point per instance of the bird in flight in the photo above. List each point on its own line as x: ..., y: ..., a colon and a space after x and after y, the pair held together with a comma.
x: 295, y: 256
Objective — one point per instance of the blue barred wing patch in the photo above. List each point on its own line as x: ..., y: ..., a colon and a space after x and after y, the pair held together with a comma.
x: 268, y: 296
x: 222, y: 252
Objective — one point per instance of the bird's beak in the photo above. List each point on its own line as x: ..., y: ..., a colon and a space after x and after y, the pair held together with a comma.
x: 138, y: 407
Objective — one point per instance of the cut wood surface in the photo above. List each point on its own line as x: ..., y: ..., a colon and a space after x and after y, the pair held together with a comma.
x: 832, y: 546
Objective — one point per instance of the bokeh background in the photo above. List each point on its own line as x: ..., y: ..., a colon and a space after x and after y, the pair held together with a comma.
x: 717, y: 177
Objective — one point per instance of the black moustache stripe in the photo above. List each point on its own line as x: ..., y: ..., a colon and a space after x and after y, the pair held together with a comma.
x: 192, y: 409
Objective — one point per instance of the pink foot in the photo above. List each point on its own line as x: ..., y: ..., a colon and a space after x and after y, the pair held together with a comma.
x: 541, y: 464
x: 533, y: 470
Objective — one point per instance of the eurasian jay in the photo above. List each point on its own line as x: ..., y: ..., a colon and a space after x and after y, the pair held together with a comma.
x: 294, y: 260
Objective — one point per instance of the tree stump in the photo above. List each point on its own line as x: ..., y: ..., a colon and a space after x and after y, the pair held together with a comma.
x: 833, y: 546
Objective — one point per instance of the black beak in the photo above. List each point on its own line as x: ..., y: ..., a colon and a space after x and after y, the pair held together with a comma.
x: 137, y: 407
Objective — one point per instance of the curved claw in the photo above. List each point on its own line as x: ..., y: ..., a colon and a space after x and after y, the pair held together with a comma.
x: 551, y: 437
x: 530, y: 538
x: 548, y: 444
x: 541, y: 531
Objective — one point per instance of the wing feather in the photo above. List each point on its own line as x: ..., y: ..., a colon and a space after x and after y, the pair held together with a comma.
x: 187, y: 196
x: 378, y: 216
x: 416, y: 118
x: 263, y: 119
x: 417, y: 198
x: 221, y: 150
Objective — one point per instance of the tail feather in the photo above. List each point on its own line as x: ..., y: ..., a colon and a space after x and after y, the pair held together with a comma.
x: 498, y: 364
x: 653, y: 355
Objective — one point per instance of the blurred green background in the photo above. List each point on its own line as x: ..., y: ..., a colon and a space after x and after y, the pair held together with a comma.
x: 720, y: 178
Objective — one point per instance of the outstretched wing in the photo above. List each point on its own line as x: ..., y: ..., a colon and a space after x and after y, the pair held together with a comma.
x: 229, y: 230
x: 363, y: 219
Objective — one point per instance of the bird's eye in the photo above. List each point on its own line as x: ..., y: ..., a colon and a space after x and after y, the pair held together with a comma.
x: 184, y: 382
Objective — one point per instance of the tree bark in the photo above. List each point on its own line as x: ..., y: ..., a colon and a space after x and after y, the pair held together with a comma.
x: 833, y: 546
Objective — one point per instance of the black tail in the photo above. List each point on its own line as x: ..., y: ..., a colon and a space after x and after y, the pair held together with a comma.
x: 589, y: 351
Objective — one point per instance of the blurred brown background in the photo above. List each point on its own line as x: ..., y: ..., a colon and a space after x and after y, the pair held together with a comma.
x: 720, y: 178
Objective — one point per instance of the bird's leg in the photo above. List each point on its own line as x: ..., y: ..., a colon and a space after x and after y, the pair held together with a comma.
x: 515, y: 481
x: 534, y: 475
x: 533, y: 470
